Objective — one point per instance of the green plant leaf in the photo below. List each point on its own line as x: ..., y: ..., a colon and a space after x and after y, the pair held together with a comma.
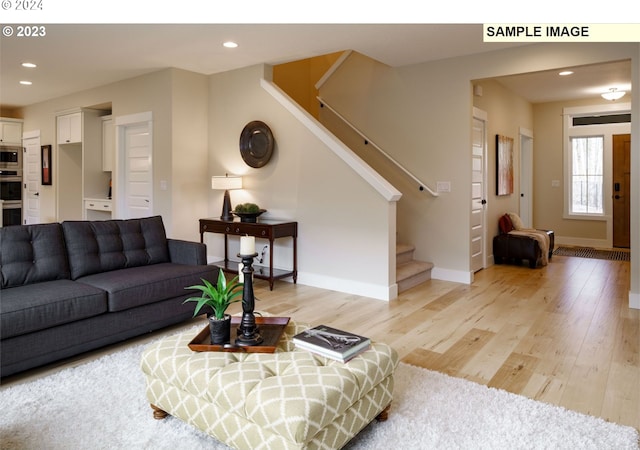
x: 218, y: 297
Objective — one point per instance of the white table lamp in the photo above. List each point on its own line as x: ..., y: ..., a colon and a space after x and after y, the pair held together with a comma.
x: 226, y: 182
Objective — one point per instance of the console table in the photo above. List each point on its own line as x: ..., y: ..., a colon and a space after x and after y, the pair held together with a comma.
x: 263, y: 229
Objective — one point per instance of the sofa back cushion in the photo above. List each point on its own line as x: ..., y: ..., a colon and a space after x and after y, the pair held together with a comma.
x: 102, y: 246
x: 32, y: 254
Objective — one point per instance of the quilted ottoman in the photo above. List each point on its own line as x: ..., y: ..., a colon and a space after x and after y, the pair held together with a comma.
x: 290, y: 399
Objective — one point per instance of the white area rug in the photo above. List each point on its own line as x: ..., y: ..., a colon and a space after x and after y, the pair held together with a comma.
x: 102, y: 405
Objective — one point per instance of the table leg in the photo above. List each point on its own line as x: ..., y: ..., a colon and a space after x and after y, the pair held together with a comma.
x: 295, y: 259
x: 271, y: 264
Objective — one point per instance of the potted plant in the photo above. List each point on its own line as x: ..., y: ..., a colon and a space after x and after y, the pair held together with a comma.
x: 217, y: 298
x: 248, y: 212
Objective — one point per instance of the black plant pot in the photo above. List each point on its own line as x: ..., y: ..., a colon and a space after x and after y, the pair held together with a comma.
x: 220, y: 330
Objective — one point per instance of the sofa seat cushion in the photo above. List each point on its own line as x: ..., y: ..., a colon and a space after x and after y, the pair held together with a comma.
x: 38, y: 306
x: 32, y: 254
x: 136, y: 286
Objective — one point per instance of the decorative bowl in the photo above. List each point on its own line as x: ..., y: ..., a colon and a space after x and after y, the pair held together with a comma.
x: 249, y: 217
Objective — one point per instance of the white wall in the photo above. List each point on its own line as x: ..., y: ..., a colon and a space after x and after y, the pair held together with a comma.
x: 178, y: 101
x: 343, y: 223
x: 421, y: 114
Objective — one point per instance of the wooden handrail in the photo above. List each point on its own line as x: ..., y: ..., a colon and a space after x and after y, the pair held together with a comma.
x: 421, y: 186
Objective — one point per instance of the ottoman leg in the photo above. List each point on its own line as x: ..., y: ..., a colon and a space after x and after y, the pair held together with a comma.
x: 158, y: 413
x: 384, y: 415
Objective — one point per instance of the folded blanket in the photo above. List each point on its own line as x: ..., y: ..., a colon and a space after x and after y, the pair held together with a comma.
x: 541, y: 236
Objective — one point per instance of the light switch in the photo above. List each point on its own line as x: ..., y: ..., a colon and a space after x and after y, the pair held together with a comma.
x: 555, y: 183
x: 443, y: 186
x: 163, y: 185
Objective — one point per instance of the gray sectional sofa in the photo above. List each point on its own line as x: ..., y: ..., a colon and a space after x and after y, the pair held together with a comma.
x: 70, y: 287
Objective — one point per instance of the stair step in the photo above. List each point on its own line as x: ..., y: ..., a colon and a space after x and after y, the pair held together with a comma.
x: 412, y: 273
x: 404, y: 253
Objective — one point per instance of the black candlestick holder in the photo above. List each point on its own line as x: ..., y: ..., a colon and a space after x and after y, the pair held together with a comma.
x: 248, y: 333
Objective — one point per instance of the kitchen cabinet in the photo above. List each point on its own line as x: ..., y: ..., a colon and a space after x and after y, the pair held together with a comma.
x: 108, y: 144
x: 11, y: 131
x: 70, y: 128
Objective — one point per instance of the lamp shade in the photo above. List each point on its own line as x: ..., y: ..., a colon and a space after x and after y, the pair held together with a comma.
x: 226, y: 182
x: 613, y: 94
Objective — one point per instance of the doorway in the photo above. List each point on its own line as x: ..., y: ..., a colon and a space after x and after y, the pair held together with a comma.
x: 621, y: 190
x: 478, y: 256
x: 133, y: 188
x: 526, y: 177
x: 31, y: 174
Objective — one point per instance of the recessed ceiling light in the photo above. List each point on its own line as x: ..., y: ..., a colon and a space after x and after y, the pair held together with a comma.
x: 29, y: 65
x: 564, y: 73
x: 230, y: 44
x: 26, y: 83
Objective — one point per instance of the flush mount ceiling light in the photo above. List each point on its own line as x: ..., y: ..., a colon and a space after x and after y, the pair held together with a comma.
x: 29, y: 65
x: 564, y: 73
x: 26, y: 83
x: 613, y: 94
x: 229, y: 44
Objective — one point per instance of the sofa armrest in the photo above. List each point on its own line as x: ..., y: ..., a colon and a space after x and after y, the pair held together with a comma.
x: 187, y: 252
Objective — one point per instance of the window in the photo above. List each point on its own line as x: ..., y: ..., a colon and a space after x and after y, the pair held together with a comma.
x: 588, y: 160
x: 587, y: 175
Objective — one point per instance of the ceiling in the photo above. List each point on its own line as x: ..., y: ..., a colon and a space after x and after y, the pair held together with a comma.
x: 72, y: 57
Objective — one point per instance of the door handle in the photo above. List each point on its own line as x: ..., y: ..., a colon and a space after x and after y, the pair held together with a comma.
x: 617, y: 197
x: 37, y: 193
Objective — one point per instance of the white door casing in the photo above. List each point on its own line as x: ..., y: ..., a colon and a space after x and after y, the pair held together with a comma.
x: 133, y: 181
x: 31, y: 178
x: 478, y: 250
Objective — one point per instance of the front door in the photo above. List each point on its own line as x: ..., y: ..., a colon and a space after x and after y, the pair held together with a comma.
x: 621, y: 187
x: 478, y: 189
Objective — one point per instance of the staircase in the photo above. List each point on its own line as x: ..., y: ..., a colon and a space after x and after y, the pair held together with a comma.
x: 409, y: 272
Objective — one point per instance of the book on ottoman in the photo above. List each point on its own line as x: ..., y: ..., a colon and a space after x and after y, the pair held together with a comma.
x: 332, y: 343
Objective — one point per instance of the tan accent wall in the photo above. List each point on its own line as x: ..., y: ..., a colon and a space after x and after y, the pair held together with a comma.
x: 298, y: 79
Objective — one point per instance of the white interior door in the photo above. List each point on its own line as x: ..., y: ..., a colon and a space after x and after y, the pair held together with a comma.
x: 133, y: 190
x: 31, y: 177
x: 138, y: 171
x: 526, y: 177
x: 478, y: 190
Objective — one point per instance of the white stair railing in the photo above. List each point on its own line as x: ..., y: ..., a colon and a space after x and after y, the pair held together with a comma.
x: 421, y: 186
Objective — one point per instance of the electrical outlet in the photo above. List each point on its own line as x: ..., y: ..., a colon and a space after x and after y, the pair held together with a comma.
x: 555, y: 183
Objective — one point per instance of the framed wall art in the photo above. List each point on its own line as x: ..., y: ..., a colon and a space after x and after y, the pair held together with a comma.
x: 504, y: 165
x: 46, y: 176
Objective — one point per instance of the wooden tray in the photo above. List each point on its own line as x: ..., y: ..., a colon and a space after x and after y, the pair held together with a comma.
x: 270, y: 328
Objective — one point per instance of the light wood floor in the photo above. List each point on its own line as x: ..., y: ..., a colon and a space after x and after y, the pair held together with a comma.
x: 562, y: 334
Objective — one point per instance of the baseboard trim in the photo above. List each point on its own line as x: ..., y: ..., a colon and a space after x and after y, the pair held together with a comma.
x: 457, y: 276
x: 375, y: 291
x: 634, y: 300
x: 582, y: 242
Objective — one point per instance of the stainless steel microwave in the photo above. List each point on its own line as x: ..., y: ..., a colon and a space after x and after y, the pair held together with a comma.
x: 10, y: 157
